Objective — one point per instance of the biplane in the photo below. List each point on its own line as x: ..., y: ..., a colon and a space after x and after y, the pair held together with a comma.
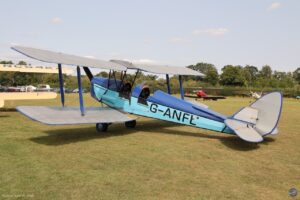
x: 121, y: 97
x: 256, y: 95
x: 201, y: 94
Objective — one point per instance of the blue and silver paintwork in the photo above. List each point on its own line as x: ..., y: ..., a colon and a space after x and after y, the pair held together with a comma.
x: 159, y: 106
x: 162, y: 105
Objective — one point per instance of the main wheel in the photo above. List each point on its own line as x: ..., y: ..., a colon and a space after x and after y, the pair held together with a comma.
x: 102, y: 127
x: 130, y: 124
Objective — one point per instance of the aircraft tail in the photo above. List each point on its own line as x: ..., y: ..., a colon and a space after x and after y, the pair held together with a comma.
x: 259, y: 119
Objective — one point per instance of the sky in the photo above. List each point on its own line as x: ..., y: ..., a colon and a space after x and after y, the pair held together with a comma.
x: 180, y: 33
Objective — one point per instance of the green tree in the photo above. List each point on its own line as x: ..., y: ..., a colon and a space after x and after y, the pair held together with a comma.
x: 7, y: 78
x: 232, y: 75
x: 266, y: 72
x: 284, y: 80
x: 296, y: 75
x: 209, y: 70
x: 250, y: 74
x: 6, y: 62
x: 22, y: 63
x: 103, y: 74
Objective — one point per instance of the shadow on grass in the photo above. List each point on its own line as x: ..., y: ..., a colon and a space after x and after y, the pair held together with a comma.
x: 230, y: 141
x: 236, y: 143
x: 67, y: 136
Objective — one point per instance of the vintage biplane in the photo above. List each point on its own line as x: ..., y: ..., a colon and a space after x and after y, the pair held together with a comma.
x: 256, y: 95
x: 201, y: 94
x: 121, y: 96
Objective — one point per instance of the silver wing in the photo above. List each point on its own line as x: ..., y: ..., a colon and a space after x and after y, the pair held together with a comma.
x: 71, y: 115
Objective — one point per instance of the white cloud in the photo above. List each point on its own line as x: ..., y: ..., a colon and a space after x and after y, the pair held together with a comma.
x: 56, y: 20
x: 211, y: 31
x: 274, y: 6
x: 177, y: 40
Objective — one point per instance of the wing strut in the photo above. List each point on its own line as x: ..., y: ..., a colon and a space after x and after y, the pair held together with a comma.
x: 168, y: 83
x: 80, y: 90
x: 181, y: 87
x: 61, y: 85
x: 88, y: 73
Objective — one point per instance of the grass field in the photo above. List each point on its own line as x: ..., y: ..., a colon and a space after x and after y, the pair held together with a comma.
x: 156, y: 160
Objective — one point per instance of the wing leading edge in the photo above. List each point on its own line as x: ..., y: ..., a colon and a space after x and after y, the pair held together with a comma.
x: 66, y: 59
x: 159, y: 69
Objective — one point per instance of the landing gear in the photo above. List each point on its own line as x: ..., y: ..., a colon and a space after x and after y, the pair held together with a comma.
x: 130, y: 124
x: 102, y: 127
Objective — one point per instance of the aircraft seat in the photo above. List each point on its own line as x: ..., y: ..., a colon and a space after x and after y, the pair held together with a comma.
x: 142, y: 92
x: 125, y: 90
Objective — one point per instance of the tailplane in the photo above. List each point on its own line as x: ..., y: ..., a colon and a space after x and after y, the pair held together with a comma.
x: 259, y: 119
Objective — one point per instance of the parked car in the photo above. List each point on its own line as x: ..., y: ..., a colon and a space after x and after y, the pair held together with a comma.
x: 13, y: 89
x: 3, y: 89
x: 43, y: 88
x: 77, y: 90
x: 30, y: 88
x: 27, y: 88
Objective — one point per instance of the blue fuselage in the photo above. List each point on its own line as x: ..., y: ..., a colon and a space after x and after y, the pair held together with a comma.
x: 159, y: 106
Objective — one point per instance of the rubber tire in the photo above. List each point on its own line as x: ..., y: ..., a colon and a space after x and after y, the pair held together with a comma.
x: 130, y: 124
x: 102, y: 127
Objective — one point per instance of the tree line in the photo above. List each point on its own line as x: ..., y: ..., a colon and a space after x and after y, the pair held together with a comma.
x: 247, y: 76
x: 232, y: 76
x: 4, y: 62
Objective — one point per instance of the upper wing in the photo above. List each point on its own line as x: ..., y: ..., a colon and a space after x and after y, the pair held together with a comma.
x: 159, y: 69
x: 119, y: 65
x: 61, y: 58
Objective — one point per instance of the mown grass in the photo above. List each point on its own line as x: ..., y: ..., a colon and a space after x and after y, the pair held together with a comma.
x: 156, y: 160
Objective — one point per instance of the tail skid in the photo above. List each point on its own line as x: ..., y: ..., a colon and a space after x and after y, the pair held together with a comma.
x: 259, y: 119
